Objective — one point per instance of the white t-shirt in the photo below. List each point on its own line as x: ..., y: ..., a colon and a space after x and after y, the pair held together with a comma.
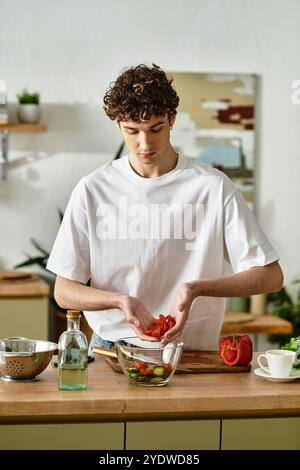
x: 146, y: 236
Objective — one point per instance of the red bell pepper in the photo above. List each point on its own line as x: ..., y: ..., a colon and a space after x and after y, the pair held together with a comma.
x: 139, y: 365
x: 160, y: 325
x: 236, y: 350
x: 170, y: 322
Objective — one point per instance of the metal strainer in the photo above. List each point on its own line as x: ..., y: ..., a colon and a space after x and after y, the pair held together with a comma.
x: 23, y: 358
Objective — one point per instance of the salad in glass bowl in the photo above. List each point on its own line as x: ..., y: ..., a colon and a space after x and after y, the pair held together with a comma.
x: 148, y: 363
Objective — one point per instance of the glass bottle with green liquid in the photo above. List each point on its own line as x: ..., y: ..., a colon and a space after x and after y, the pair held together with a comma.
x: 72, y: 355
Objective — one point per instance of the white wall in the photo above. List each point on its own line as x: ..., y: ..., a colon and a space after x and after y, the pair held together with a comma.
x: 70, y: 50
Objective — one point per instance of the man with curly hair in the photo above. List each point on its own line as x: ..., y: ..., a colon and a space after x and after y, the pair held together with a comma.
x: 151, y: 231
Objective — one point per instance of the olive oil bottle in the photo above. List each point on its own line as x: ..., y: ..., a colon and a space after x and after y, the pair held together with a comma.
x: 72, y: 355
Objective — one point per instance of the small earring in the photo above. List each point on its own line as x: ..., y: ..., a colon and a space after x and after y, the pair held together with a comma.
x: 171, y: 127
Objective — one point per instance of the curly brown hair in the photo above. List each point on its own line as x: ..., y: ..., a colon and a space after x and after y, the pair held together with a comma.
x: 140, y: 92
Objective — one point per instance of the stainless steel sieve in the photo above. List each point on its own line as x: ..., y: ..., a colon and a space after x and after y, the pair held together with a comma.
x: 23, y: 358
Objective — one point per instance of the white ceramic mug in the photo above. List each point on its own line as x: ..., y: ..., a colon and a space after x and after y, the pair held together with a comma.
x: 280, y: 362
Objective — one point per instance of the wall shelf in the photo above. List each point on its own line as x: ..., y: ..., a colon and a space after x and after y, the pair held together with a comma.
x: 5, y: 130
x: 22, y: 127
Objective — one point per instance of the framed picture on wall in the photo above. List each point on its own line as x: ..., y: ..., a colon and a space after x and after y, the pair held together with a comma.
x: 216, y: 123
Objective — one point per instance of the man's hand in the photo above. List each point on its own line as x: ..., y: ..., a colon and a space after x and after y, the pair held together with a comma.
x: 137, y: 316
x: 180, y: 311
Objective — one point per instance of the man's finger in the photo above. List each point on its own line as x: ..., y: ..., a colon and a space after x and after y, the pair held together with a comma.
x: 131, y: 318
x: 177, y: 328
x: 143, y: 336
x: 149, y: 338
x: 173, y: 333
x: 169, y: 339
x: 133, y: 321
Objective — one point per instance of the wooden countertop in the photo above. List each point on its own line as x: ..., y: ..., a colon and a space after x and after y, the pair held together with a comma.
x: 268, y: 324
x: 111, y: 398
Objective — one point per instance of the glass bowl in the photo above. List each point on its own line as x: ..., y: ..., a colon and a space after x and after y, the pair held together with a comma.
x: 148, y: 363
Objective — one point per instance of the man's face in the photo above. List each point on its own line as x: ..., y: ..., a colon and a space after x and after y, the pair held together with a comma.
x: 147, y: 141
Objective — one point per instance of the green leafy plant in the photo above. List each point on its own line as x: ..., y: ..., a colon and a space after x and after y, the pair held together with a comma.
x: 28, y: 98
x: 294, y: 345
x: 281, y: 305
x: 119, y: 151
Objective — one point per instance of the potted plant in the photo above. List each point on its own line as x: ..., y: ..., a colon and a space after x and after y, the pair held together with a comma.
x: 29, y: 107
x: 282, y: 305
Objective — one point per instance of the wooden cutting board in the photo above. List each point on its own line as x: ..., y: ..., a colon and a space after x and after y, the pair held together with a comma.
x: 198, y: 362
x: 238, y: 317
x: 208, y: 362
x: 15, y: 284
x: 9, y: 275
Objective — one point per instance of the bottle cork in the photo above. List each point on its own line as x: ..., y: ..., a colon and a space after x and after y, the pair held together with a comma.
x: 73, y: 314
